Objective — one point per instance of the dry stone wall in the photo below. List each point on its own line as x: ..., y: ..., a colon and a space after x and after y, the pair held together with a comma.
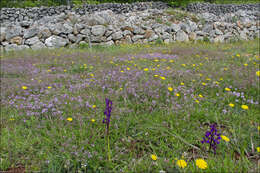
x: 108, y: 28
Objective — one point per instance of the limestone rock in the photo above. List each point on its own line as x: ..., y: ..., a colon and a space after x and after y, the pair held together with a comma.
x: 16, y: 40
x: 56, y: 41
x: 98, y: 30
x: 182, y: 36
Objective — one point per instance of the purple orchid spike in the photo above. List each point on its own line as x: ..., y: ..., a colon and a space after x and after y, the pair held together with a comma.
x: 212, y: 137
x: 107, y: 112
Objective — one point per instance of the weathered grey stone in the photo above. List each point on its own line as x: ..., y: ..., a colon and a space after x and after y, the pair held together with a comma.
x: 14, y: 47
x: 16, y: 40
x: 127, y: 32
x: 137, y: 37
x: 207, y: 28
x: 32, y: 41
x: 25, y: 23
x: 165, y: 35
x: 185, y: 27
x: 219, y: 38
x: 182, y: 36
x: 38, y: 45
x: 2, y: 33
x: 138, y: 30
x: 243, y: 35
x: 192, y: 25
x: 218, y: 32
x: 44, y: 33
x: 109, y: 43
x: 85, y: 31
x: 56, y: 41
x: 98, y: 30
x: 31, y: 32
x: 153, y: 37
x: 67, y: 28
x: 72, y: 38
x: 13, y: 31
x: 200, y: 33
x: 117, y: 35
x: 97, y: 39
x: 175, y: 27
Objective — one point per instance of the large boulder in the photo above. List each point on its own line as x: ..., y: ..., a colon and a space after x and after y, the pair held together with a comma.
x: 13, y: 31
x: 32, y: 41
x: 117, y: 35
x: 29, y: 33
x: 98, y: 30
x: 56, y: 41
x: 182, y: 36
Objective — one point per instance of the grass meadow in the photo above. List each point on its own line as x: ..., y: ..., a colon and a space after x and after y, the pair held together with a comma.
x: 165, y: 98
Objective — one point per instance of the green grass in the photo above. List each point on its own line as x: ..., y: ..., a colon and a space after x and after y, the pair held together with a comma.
x: 148, y: 120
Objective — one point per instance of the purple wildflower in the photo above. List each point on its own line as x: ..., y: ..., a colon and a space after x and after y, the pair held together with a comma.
x: 107, y: 112
x: 212, y: 137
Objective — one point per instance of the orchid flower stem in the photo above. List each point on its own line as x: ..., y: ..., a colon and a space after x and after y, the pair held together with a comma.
x: 108, y: 149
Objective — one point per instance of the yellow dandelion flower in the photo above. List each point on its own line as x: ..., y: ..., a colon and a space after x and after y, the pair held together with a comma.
x: 197, y: 101
x: 168, y: 68
x: 258, y: 149
x: 11, y: 119
x: 170, y: 88
x: 193, y: 80
x: 202, y: 164
x: 122, y: 71
x: 156, y: 60
x: 93, y: 120
x: 231, y: 105
x: 201, y: 74
x: 128, y: 68
x: 48, y: 70
x: 225, y: 138
x: 94, y: 106
x: 163, y: 78
x: 121, y: 89
x: 193, y: 65
x: 65, y: 70
x: 225, y: 69
x: 156, y: 75
x: 201, y: 64
x: 238, y: 55
x: 24, y: 87
x: 146, y: 69
x: 258, y: 128
x: 171, y: 61
x: 182, y: 83
x: 184, y: 65
x: 69, y: 119
x: 201, y: 96
x: 181, y: 163
x: 221, y: 78
x: 203, y: 83
x: 153, y: 157
x: 208, y: 79
x: 257, y: 73
x: 153, y: 69
x: 245, y: 65
x: 92, y: 75
x: 158, y: 65
x: 227, y: 89
x: 177, y: 94
x: 245, y: 107
x: 216, y: 82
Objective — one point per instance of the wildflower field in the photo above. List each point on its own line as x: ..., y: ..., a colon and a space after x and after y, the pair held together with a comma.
x: 180, y: 107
